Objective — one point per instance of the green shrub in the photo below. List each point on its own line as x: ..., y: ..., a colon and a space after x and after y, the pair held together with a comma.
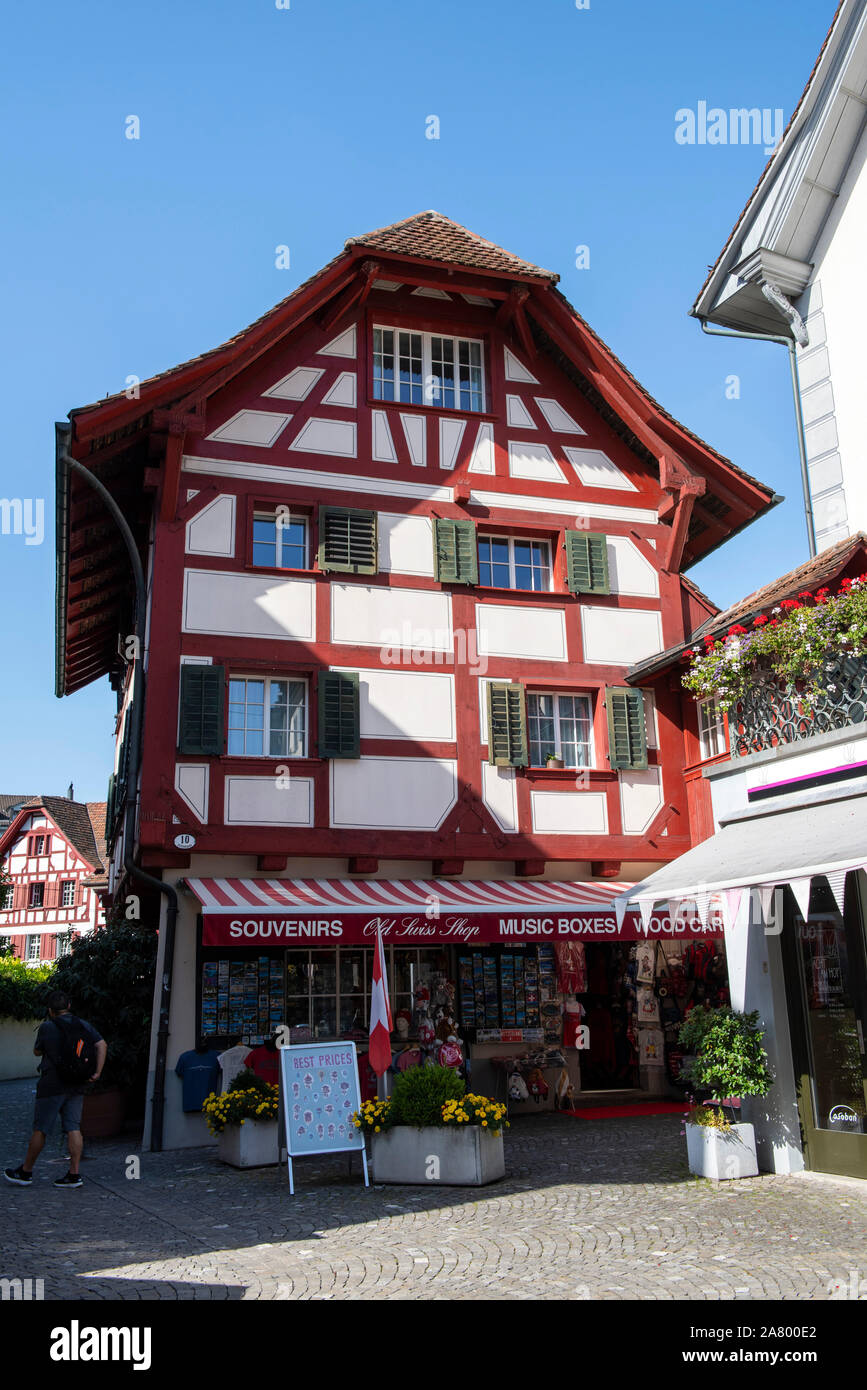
x: 247, y: 1080
x: 419, y: 1095
x: 23, y: 988
x: 729, y: 1057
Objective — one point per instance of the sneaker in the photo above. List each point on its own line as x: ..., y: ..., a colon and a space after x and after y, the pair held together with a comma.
x: 18, y: 1175
x: 70, y: 1180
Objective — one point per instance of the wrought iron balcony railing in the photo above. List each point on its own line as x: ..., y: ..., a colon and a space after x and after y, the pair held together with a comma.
x: 774, y: 712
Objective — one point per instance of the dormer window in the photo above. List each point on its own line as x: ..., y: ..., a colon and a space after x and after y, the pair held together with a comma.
x: 428, y: 369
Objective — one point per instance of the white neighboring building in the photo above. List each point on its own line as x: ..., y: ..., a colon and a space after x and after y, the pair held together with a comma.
x: 802, y: 235
x: 53, y: 854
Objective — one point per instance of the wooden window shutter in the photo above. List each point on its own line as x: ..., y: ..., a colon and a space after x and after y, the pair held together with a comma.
x: 52, y: 893
x: 201, y: 722
x: 627, y: 738
x: 338, y: 714
x: 109, y: 805
x: 456, y: 557
x: 587, y: 562
x: 507, y: 725
x: 348, y: 540
x: 20, y: 896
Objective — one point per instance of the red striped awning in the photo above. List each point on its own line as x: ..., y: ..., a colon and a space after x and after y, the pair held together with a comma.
x: 417, y: 911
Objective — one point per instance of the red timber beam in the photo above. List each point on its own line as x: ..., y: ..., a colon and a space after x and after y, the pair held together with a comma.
x: 353, y: 297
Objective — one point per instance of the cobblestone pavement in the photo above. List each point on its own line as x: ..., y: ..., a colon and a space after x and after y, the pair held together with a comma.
x: 589, y: 1209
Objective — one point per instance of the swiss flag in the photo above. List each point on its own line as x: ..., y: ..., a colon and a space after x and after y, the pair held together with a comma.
x: 379, y: 1055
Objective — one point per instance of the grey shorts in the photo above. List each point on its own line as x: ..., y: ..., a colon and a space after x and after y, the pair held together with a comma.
x: 67, y: 1105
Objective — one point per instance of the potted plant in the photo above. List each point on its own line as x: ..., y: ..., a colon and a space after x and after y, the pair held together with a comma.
x: 244, y: 1119
x: 109, y: 977
x: 431, y: 1132
x: 728, y: 1063
x: 553, y: 761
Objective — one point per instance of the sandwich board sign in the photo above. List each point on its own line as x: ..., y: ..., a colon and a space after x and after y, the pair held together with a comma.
x: 319, y: 1092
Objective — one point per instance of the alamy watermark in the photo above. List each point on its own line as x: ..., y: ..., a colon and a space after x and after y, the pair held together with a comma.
x: 23, y: 516
x: 736, y: 126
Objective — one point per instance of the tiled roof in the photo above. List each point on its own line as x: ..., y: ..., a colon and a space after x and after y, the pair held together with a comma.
x: 73, y: 819
x: 433, y: 237
x: 96, y: 812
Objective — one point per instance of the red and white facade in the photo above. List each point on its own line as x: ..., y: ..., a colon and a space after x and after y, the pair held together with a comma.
x: 55, y: 886
x: 552, y: 434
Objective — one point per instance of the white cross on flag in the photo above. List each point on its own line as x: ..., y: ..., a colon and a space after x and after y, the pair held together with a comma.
x: 379, y: 1055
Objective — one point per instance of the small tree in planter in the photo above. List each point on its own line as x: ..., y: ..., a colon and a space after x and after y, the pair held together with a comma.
x: 728, y: 1062
x: 432, y: 1131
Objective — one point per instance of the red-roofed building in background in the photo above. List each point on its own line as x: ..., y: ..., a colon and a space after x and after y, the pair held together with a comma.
x: 53, y: 856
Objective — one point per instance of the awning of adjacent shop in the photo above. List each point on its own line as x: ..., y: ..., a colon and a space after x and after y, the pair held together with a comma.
x: 762, y: 852
x: 299, y: 911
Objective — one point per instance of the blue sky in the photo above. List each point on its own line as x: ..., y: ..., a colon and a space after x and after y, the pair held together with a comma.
x: 262, y: 126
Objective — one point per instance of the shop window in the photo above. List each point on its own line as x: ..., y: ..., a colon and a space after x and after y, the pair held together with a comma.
x: 37, y: 895
x: 587, y: 563
x: 711, y: 728
x: 267, y: 717
x: 627, y: 730
x: 428, y: 369
x: 348, y: 540
x: 561, y: 725
x: 280, y: 540
x: 67, y: 892
x: 509, y: 562
x: 455, y: 557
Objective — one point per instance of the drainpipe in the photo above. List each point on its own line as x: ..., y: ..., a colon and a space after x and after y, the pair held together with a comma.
x: 70, y: 464
x: 776, y: 297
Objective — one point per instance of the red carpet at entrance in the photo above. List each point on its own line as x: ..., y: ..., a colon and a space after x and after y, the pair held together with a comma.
x: 619, y: 1112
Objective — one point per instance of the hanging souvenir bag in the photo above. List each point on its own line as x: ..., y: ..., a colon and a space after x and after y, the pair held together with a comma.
x: 518, y: 1087
x: 537, y: 1086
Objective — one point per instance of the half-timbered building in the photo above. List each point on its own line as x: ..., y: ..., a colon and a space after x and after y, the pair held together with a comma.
x: 403, y: 538
x: 55, y: 882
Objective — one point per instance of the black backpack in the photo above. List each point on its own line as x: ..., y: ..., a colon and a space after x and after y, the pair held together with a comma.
x: 76, y: 1053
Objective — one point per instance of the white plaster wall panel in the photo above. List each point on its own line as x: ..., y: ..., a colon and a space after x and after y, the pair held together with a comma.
x: 558, y: 419
x: 261, y: 427
x: 392, y: 793
x: 248, y: 605
x: 451, y: 434
x: 191, y: 784
x: 817, y: 402
x: 478, y: 299
x: 499, y: 793
x: 388, y: 285
x: 192, y: 492
x: 534, y: 461
x: 341, y: 346
x: 212, y: 530
x: 405, y: 544
x: 402, y: 704
x: 821, y: 438
x: 320, y: 436
x: 524, y: 502
x: 596, y: 469
x: 273, y: 800
x: 297, y: 385
x: 813, y: 367
x: 651, y: 718
x: 482, y: 457
x: 319, y: 478
x: 620, y: 636
x: 370, y: 616
x: 569, y: 813
x: 515, y: 370
x: 518, y: 415
x: 415, y: 434
x: 640, y: 799
x: 629, y: 571
x: 428, y: 292
x: 537, y: 634
x: 830, y: 511
x: 825, y: 473
x: 342, y: 391
x: 382, y: 443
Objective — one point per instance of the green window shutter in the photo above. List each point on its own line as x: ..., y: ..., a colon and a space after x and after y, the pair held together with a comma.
x: 201, y: 722
x: 507, y: 725
x: 456, y: 557
x: 109, y: 806
x: 587, y: 562
x: 627, y: 740
x: 123, y: 762
x: 347, y: 540
x: 338, y: 714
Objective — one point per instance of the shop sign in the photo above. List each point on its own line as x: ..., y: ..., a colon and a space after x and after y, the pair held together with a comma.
x: 319, y: 1092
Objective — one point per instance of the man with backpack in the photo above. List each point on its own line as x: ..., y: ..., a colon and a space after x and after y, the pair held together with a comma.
x: 72, y: 1053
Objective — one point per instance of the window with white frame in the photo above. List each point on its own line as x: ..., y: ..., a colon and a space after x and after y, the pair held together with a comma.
x: 428, y: 369
x: 281, y: 540
x: 33, y: 948
x: 267, y: 717
x: 509, y: 562
x: 63, y: 944
x: 7, y: 895
x: 38, y: 845
x: 37, y: 895
x: 67, y: 892
x: 711, y: 728
x: 562, y: 726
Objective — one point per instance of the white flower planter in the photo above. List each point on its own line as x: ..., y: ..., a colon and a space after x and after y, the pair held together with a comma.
x: 433, y: 1157
x: 722, y: 1154
x: 250, y: 1145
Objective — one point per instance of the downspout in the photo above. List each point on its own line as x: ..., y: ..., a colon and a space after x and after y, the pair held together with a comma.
x: 776, y: 297
x: 69, y: 464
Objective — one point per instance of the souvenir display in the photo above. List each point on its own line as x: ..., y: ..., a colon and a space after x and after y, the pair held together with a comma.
x: 243, y: 998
